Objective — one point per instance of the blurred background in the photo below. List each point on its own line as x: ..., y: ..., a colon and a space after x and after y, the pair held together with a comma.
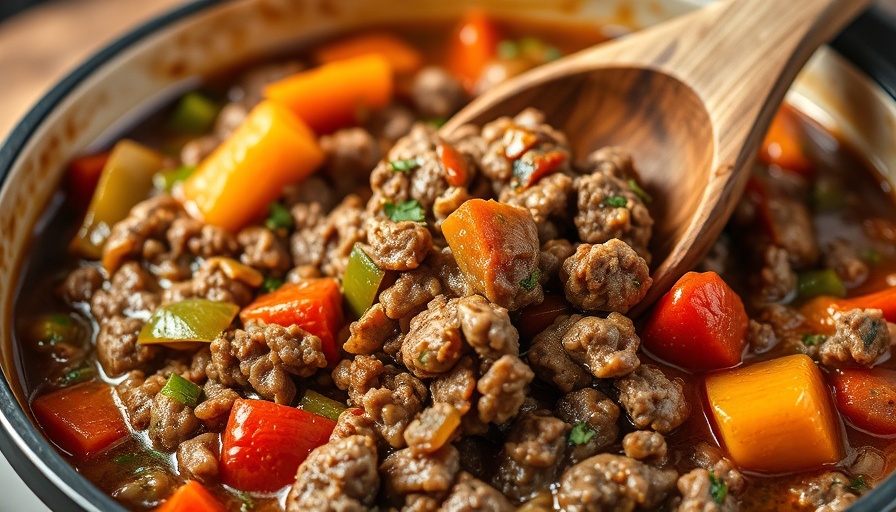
x: 40, y: 42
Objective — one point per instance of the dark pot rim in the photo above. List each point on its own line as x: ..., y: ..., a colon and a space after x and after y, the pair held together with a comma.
x: 62, y: 488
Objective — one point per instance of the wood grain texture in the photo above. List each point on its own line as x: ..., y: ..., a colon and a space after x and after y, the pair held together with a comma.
x: 690, y: 99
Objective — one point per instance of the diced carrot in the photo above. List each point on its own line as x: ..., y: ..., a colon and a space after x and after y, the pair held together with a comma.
x: 783, y: 145
x: 776, y: 416
x: 82, y: 419
x: 699, y: 325
x: 331, y: 96
x: 315, y: 305
x: 473, y: 46
x: 264, y: 443
x: 454, y: 164
x: 404, y: 58
x: 82, y: 177
x: 235, y: 184
x: 496, y: 247
x: 867, y: 398
x: 191, y: 497
x: 821, y: 312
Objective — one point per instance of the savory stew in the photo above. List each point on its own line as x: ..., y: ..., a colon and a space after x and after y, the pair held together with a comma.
x: 287, y: 291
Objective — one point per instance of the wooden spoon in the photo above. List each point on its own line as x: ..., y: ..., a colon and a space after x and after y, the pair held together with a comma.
x: 691, y: 100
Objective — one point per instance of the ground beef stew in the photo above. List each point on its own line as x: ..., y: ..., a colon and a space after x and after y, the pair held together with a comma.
x: 289, y: 292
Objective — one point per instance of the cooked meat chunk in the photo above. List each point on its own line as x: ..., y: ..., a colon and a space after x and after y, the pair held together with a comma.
x: 117, y: 349
x: 593, y: 412
x: 652, y: 400
x: 608, y: 209
x: 338, y: 476
x: 146, y: 489
x: 351, y: 154
x: 190, y: 237
x: 696, y: 490
x: 215, y: 409
x: 456, y: 387
x: 394, y: 405
x: 614, y: 482
x: 486, y: 327
x: 605, y: 277
x: 249, y: 88
x: 433, y: 428
x: 553, y: 254
x: 326, y: 241
x: 861, y: 337
x: 136, y: 392
x: 132, y: 292
x: 212, y: 281
x: 359, y: 375
x: 391, y: 123
x: 472, y: 495
x: 263, y: 250
x: 447, y: 203
x: 777, y: 280
x: 408, y: 472
x: 420, y: 503
x: 81, y: 284
x: 197, y: 458
x: 397, y: 245
x: 370, y: 332
x: 412, y: 290
x: 611, y: 161
x: 147, y: 221
x: 530, y: 459
x: 436, y: 93
x: 792, y: 227
x: 264, y: 356
x: 170, y: 422
x: 828, y: 492
x: 847, y: 261
x: 606, y: 347
x: 503, y: 389
x: 761, y: 336
x: 434, y: 344
x: 547, y: 200
x: 645, y: 445
x: 354, y: 422
x: 552, y: 363
x: 710, y: 458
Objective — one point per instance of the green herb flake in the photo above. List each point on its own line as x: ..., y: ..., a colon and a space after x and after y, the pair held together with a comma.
x: 125, y: 459
x: 531, y: 282
x: 79, y: 375
x: 437, y: 122
x: 858, y: 484
x: 180, y: 389
x: 508, y: 49
x: 871, y: 256
x: 405, y: 210
x: 717, y: 488
x: 636, y: 282
x: 278, y: 217
x: 581, y: 433
x: 870, y: 336
x: 640, y: 192
x: 405, y: 165
x: 424, y: 355
x: 813, y: 339
x: 247, y: 502
x: 616, y: 201
x: 271, y: 284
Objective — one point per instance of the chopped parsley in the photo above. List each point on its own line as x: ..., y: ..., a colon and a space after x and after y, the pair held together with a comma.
x: 247, y: 502
x: 871, y: 256
x: 581, y: 433
x: 531, y: 282
x: 405, y: 165
x: 79, y: 375
x: 858, y: 484
x: 636, y: 282
x: 437, y: 122
x: 813, y: 339
x: 717, y: 488
x: 424, y: 355
x: 640, y: 192
x: 616, y: 201
x: 278, y: 217
x: 405, y: 210
x: 869, y: 336
x: 125, y: 459
x: 270, y: 284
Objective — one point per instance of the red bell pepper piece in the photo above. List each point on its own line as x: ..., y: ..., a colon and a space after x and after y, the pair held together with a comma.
x: 82, y: 177
x: 783, y: 144
x: 473, y: 46
x: 699, y: 325
x: 867, y: 398
x: 191, y: 497
x: 455, y: 165
x: 313, y: 304
x: 265, y: 443
x: 82, y: 419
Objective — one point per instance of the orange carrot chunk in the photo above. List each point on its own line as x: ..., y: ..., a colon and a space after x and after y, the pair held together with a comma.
x: 331, y: 96
x: 82, y: 419
x: 783, y: 145
x: 235, y: 184
x: 699, y: 325
x: 191, y: 497
x: 776, y: 416
x: 867, y: 397
x: 473, y: 46
x: 404, y: 58
x: 821, y: 311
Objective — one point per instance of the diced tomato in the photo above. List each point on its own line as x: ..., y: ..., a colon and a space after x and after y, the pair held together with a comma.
x: 699, y: 325
x: 473, y: 46
x: 264, y: 444
x: 783, y: 144
x: 82, y: 178
x: 867, y: 398
x: 191, y: 497
x: 315, y: 305
x: 455, y: 165
x: 83, y: 419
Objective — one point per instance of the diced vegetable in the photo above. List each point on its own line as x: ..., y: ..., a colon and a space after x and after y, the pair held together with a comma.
x: 783, y: 145
x: 53, y: 328
x: 534, y: 166
x: 193, y: 113
x: 125, y: 181
x: 180, y: 389
x: 83, y: 419
x: 191, y: 497
x: 776, y: 416
x: 473, y: 46
x: 404, y: 58
x: 264, y: 443
x: 316, y: 403
x: 438, y: 426
x: 454, y: 164
x: 821, y: 311
x: 404, y: 166
x: 361, y: 281
x: 496, y: 247
x: 278, y: 217
x: 867, y: 398
x: 188, y: 321
x: 235, y: 184
x: 166, y: 180
x: 330, y: 96
x: 699, y: 325
x: 315, y: 305
x: 820, y: 282
x: 82, y: 177
x: 238, y: 271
